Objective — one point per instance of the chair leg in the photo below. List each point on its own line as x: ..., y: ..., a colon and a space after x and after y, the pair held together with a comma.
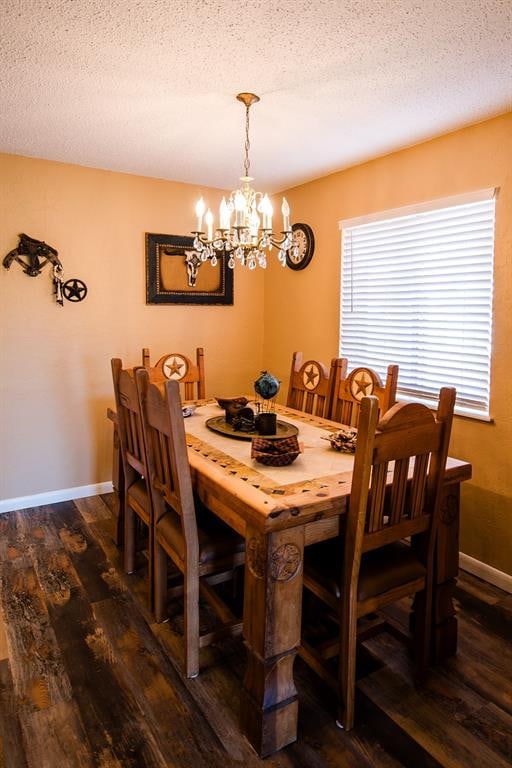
x: 422, y: 633
x: 237, y: 583
x: 129, y: 539
x: 347, y: 669
x: 119, y: 535
x: 160, y: 582
x: 191, y: 623
x: 118, y: 485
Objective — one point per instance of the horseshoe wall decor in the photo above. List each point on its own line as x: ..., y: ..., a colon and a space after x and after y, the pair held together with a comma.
x: 33, y: 255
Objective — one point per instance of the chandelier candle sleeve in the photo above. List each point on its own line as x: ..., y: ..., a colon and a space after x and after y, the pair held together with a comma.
x: 209, y: 224
x: 250, y: 238
x: 224, y: 215
x: 266, y: 209
x: 239, y: 203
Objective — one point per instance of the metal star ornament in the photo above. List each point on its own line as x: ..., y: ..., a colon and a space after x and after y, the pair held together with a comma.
x: 74, y: 290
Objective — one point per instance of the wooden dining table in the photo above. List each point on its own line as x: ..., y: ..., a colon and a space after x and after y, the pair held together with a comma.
x: 280, y: 511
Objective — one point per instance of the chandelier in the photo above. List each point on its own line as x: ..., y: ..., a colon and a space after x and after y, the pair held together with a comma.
x: 244, y: 233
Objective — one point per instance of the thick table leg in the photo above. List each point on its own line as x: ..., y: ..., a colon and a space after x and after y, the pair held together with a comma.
x: 272, y: 618
x: 444, y: 625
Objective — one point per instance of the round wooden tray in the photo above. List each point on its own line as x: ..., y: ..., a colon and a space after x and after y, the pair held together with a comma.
x: 220, y: 425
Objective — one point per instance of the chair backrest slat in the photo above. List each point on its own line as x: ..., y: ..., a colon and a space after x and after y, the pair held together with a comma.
x: 347, y: 410
x: 134, y: 422
x: 166, y: 477
x: 419, y: 485
x: 399, y: 490
x: 155, y: 450
x: 377, y: 497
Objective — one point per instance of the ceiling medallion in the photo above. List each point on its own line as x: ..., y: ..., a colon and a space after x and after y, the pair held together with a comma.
x: 244, y: 233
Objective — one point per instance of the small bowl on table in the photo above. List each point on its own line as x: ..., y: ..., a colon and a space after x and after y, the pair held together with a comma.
x: 231, y: 406
x: 344, y: 440
x: 275, y: 453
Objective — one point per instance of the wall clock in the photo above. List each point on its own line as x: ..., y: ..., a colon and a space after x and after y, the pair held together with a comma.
x: 304, y: 247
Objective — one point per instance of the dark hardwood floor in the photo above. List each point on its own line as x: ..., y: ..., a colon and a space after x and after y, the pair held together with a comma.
x: 87, y: 679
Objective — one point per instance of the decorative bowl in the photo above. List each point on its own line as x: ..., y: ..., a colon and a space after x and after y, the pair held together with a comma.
x: 344, y: 440
x: 275, y: 453
x: 237, y: 402
x: 232, y: 406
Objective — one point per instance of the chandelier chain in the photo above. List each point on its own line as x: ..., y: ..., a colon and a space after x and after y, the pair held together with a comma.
x: 247, y: 142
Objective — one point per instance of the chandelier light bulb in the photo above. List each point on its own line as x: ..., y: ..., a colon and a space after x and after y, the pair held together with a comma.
x: 200, y: 209
x: 285, y: 210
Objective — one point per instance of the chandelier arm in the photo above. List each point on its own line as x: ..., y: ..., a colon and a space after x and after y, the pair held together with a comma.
x: 220, y: 235
x: 279, y: 243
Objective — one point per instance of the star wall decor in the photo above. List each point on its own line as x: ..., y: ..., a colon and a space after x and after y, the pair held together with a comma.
x: 74, y: 290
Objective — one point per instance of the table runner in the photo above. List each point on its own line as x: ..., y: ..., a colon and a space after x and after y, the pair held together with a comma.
x: 317, y: 460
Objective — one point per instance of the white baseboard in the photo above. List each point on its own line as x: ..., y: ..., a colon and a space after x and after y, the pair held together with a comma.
x: 51, y: 497
x: 485, y: 572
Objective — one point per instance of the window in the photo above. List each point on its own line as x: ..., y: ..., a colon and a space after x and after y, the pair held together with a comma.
x: 417, y: 291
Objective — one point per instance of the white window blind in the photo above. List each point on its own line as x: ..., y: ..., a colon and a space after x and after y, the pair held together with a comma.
x: 417, y: 291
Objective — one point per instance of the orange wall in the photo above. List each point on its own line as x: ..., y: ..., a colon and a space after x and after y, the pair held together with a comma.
x: 302, y: 308
x: 55, y: 362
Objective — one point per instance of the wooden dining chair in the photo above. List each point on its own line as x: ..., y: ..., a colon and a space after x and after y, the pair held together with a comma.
x: 396, y: 490
x: 348, y: 390
x: 310, y: 387
x: 201, y: 546
x: 135, y: 495
x: 176, y: 366
x: 171, y: 366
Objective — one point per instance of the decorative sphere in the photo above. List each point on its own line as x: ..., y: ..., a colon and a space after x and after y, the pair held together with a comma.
x: 266, y: 386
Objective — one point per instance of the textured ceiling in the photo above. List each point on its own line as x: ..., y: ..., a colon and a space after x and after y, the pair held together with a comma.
x: 147, y: 86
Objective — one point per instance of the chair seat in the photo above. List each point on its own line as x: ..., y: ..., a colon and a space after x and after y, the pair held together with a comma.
x: 216, y: 539
x: 381, y: 570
